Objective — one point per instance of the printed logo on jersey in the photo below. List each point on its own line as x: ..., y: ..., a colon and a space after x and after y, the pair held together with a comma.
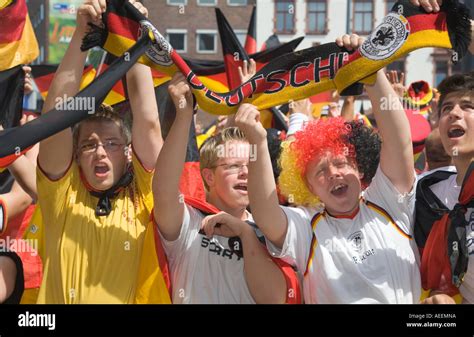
x: 355, y: 240
x: 387, y: 38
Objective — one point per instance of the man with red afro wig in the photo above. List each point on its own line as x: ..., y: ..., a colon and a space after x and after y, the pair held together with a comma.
x: 349, y: 245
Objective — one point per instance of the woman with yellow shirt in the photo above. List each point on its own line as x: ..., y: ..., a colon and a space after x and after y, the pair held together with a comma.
x: 94, y: 188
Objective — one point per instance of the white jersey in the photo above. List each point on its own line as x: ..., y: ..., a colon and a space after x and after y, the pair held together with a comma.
x: 447, y: 191
x: 204, y: 271
x: 369, y: 257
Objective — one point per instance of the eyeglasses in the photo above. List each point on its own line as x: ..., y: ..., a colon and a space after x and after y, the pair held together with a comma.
x: 233, y: 168
x: 109, y: 146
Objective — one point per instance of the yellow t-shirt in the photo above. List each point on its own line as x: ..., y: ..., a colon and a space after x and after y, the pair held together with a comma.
x: 90, y: 259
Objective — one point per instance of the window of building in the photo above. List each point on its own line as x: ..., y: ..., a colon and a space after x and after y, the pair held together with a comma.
x: 317, y: 16
x: 237, y: 2
x: 207, y: 2
x: 178, y: 39
x: 206, y: 41
x: 176, y: 2
x: 285, y: 16
x: 363, y: 15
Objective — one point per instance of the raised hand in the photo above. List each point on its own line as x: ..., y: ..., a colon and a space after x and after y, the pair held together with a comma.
x: 180, y: 93
x: 428, y: 5
x: 397, y: 83
x: 247, y: 71
x: 247, y: 119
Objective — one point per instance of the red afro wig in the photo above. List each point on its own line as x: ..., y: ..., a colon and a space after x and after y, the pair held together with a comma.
x: 320, y: 137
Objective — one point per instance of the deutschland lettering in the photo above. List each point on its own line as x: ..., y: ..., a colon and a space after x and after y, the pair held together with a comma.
x: 275, y: 81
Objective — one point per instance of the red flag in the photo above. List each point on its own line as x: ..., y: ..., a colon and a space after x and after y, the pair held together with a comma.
x: 251, y: 41
x: 18, y: 44
x: 234, y: 53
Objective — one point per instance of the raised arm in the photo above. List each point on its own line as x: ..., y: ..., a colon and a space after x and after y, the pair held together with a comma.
x: 261, y: 185
x: 146, y: 130
x: 55, y: 152
x: 396, y: 156
x: 168, y: 208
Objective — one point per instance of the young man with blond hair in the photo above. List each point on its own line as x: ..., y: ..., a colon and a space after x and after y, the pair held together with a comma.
x: 213, y: 258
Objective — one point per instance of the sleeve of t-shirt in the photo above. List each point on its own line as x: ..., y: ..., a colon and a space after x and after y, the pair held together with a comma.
x: 53, y: 191
x: 400, y: 206
x: 297, y: 242
x: 189, y: 231
x: 144, y: 179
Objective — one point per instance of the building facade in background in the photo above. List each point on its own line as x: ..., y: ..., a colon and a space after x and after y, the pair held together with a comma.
x: 322, y: 21
x: 39, y: 16
x: 190, y: 25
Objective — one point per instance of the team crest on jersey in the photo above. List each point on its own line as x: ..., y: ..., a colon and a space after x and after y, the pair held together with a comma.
x: 356, y: 240
x: 161, y: 49
x: 387, y: 38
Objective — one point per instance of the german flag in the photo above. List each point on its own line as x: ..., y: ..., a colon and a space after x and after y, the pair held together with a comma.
x: 12, y: 82
x: 18, y: 43
x: 43, y: 76
x: 234, y: 53
x: 271, y: 42
x: 251, y: 40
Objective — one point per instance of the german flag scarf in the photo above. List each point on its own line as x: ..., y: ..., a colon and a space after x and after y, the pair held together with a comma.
x: 300, y: 74
x: 18, y: 44
x: 441, y: 234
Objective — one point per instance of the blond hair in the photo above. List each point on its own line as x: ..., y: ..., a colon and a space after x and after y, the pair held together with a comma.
x: 291, y: 182
x: 208, y: 154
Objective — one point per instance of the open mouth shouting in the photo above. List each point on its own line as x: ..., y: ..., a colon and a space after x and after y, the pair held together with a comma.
x: 339, y: 189
x: 101, y: 170
x: 455, y: 132
x: 241, y: 188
